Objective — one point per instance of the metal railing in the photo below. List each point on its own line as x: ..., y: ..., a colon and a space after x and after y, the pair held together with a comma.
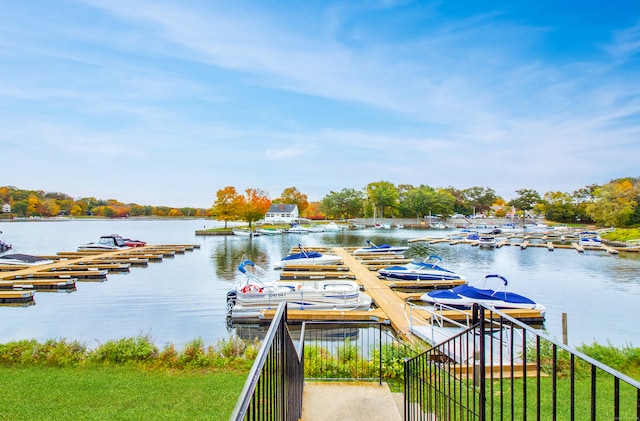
x: 348, y: 351
x: 502, y: 369
x: 274, y: 387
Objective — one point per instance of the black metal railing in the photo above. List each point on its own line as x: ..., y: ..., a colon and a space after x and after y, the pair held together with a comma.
x: 502, y: 369
x: 274, y: 387
x: 348, y: 351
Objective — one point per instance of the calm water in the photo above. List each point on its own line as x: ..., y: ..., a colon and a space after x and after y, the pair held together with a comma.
x: 183, y: 298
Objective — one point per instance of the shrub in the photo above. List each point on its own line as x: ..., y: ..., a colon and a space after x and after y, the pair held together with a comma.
x: 124, y: 350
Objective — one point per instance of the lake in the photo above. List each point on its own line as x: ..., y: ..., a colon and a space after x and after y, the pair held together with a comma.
x: 184, y: 298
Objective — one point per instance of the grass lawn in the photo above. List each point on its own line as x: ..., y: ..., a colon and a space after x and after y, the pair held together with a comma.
x: 117, y: 393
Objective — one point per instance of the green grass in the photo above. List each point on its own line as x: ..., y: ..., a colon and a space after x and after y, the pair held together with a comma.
x: 622, y: 234
x: 117, y: 393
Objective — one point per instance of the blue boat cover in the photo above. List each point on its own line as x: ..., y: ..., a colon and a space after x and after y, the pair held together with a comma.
x: 305, y: 255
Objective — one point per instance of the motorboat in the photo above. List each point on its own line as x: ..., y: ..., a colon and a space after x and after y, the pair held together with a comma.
x: 464, y: 296
x: 134, y: 243
x: 298, y: 229
x: 310, y: 258
x: 269, y: 231
x: 589, y: 238
x: 4, y: 246
x: 428, y: 269
x: 383, y: 248
x: 487, y: 240
x: 106, y: 243
x: 245, y: 232
x: 23, y: 260
x: 255, y: 294
x: 332, y: 227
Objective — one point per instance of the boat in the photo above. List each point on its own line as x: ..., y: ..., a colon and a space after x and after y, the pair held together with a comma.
x: 134, y: 243
x: 310, y: 258
x: 438, y: 226
x: 255, y: 294
x: 510, y: 227
x: 383, y: 248
x: 487, y: 240
x: 106, y: 243
x: 269, y: 231
x: 23, y: 260
x: 297, y: 229
x: 316, y: 228
x: 4, y: 246
x: 428, y: 269
x: 245, y: 232
x: 332, y: 227
x: 464, y: 296
x: 589, y: 238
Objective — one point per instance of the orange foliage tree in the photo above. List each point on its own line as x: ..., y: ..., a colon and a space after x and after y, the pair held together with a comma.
x: 255, y: 205
x: 228, y: 205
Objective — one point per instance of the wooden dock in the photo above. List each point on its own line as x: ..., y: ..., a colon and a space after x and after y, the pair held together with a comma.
x: 18, y: 283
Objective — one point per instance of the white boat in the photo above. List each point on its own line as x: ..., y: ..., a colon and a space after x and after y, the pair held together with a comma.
x: 510, y: 227
x: 245, y: 232
x: 316, y: 228
x: 383, y: 248
x: 425, y: 270
x: 255, y: 294
x: 106, y: 243
x: 332, y: 227
x: 298, y: 229
x: 487, y: 240
x: 438, y: 226
x: 464, y: 296
x: 269, y: 231
x: 310, y: 258
x: 590, y: 238
x: 4, y: 246
x: 23, y: 260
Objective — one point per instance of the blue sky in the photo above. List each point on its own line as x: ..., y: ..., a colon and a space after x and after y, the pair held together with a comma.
x: 165, y: 102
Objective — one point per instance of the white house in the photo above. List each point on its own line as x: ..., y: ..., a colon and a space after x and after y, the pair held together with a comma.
x: 6, y: 208
x: 282, y: 213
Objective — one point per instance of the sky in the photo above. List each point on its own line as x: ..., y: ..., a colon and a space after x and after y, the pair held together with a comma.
x: 165, y: 102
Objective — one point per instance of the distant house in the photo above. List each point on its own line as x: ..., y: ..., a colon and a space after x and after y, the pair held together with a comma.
x: 282, y: 213
x: 6, y: 208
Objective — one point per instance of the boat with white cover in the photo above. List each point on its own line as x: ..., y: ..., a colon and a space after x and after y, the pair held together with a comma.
x: 255, y: 294
x: 425, y: 270
x: 383, y: 248
x: 464, y: 296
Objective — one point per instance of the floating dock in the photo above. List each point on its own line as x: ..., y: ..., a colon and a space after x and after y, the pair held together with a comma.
x: 18, y: 283
x: 391, y: 304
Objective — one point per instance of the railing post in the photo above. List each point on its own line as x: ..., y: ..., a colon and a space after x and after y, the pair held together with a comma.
x: 481, y: 395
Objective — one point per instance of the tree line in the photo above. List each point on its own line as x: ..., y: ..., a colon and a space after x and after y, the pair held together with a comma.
x: 37, y: 203
x: 615, y: 203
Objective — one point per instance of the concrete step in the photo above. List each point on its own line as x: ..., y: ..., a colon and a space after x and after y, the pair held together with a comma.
x: 358, y: 401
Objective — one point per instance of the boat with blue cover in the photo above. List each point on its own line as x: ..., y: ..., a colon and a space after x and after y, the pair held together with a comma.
x: 464, y: 296
x: 383, y: 248
x: 428, y: 269
x: 310, y: 258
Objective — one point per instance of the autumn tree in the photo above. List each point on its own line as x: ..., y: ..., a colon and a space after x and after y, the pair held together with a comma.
x: 228, y: 205
x: 292, y: 196
x: 616, y: 203
x: 479, y: 198
x: 255, y: 205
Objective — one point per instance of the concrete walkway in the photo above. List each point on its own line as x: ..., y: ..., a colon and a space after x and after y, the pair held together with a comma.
x: 358, y: 401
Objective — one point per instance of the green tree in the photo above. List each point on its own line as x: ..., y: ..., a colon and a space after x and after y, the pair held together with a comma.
x: 525, y: 201
x: 228, y: 205
x: 383, y: 195
x: 344, y: 204
x: 479, y: 198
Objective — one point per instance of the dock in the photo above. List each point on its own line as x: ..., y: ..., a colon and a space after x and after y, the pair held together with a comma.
x: 18, y: 283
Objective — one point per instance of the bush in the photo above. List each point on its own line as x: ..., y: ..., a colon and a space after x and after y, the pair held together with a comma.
x: 125, y: 350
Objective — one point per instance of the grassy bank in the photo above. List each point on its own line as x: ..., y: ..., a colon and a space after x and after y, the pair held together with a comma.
x: 117, y: 393
x: 129, y: 378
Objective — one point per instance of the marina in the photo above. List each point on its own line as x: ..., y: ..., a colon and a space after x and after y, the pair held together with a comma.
x: 184, y: 298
